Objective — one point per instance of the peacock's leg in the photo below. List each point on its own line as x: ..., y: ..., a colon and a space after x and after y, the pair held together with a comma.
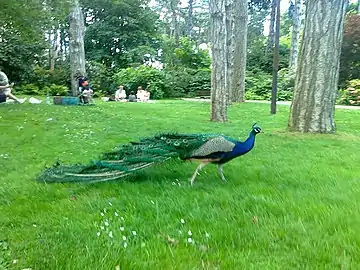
x: 201, y: 165
x: 221, y: 172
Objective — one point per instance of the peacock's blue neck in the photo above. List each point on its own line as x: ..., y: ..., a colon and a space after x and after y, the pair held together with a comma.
x: 240, y: 148
x: 244, y: 147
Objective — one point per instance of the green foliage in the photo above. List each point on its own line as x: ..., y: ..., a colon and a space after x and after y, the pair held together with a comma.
x: 55, y: 90
x: 119, y: 33
x: 145, y: 76
x: 35, y: 90
x: 259, y: 85
x: 350, y: 52
x: 351, y: 94
x: 27, y: 89
x: 44, y: 77
x: 186, y: 54
x: 257, y: 57
x: 100, y: 78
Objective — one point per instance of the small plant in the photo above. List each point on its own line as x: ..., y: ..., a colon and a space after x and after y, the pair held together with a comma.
x: 351, y: 94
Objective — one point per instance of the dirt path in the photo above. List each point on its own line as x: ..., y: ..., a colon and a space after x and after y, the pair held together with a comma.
x: 279, y: 103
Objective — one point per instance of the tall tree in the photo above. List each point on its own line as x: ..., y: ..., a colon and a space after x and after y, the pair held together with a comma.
x: 190, y: 18
x: 296, y: 24
x: 76, y: 45
x: 219, y: 80
x: 313, y: 105
x: 240, y: 46
x: 174, y: 7
x: 270, y: 43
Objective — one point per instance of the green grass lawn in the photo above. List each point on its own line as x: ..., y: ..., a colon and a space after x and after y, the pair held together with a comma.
x: 291, y: 203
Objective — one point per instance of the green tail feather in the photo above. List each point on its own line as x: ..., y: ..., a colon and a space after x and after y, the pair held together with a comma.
x: 128, y: 158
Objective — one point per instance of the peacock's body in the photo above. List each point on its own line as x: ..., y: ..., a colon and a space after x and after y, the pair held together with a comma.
x: 135, y: 156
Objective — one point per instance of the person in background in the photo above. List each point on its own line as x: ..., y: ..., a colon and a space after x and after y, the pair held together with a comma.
x: 132, y: 97
x: 85, y: 93
x: 140, y: 93
x: 5, y: 89
x: 146, y: 95
x: 120, y: 93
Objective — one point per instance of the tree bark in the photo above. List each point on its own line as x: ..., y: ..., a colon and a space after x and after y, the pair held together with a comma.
x: 230, y: 49
x: 270, y: 44
x: 174, y: 18
x: 240, y: 46
x: 219, y: 80
x: 296, y: 24
x: 190, y: 18
x: 76, y: 45
x: 313, y: 106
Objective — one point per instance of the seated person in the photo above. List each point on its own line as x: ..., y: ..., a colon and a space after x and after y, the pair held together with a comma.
x: 120, y: 93
x: 85, y: 93
x: 146, y: 95
x: 5, y: 90
x: 140, y: 94
x: 132, y: 97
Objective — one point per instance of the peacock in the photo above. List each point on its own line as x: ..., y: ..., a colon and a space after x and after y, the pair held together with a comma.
x: 132, y: 157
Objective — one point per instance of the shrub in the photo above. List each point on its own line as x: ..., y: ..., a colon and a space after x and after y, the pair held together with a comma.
x: 145, y: 76
x: 258, y: 85
x: 28, y: 89
x: 55, y: 90
x: 351, y: 94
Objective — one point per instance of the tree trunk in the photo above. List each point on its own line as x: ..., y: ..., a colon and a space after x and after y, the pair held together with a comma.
x: 174, y: 18
x: 219, y: 81
x: 76, y: 45
x: 296, y: 24
x: 240, y: 46
x: 270, y: 44
x: 230, y: 42
x: 313, y: 106
x: 190, y: 18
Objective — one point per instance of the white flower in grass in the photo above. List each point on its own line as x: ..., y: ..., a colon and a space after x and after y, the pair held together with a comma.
x: 207, y: 235
x: 180, y: 232
x: 110, y: 203
x: 152, y: 202
x: 189, y: 233
x: 125, y: 244
x: 190, y: 240
x: 110, y: 234
x: 116, y: 214
x: 121, y: 228
x: 98, y: 234
x: 102, y: 214
x: 121, y: 218
x: 102, y: 227
x: 134, y: 232
x: 182, y: 221
x: 124, y: 237
x: 106, y: 223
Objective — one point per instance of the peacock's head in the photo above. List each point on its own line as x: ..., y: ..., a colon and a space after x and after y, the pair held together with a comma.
x: 256, y: 129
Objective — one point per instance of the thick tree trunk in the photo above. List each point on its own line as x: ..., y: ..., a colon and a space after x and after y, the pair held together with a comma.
x: 76, y: 45
x: 270, y: 44
x: 240, y: 46
x: 219, y: 81
x: 313, y: 106
x: 294, y: 50
x: 190, y: 18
